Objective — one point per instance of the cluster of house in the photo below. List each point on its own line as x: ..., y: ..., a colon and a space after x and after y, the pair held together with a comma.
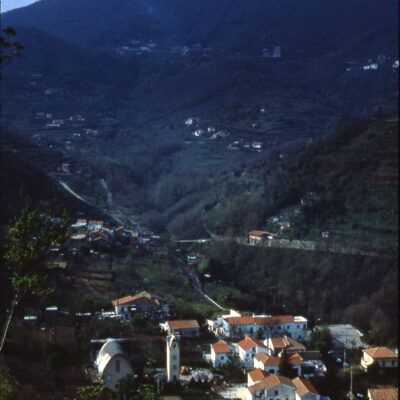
x: 242, y: 144
x: 274, y: 53
x: 266, y: 355
x: 211, y: 131
x: 101, y: 234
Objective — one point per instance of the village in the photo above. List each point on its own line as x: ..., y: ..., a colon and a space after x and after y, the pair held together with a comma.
x: 239, y: 355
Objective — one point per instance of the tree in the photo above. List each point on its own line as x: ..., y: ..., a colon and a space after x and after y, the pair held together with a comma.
x: 9, y: 47
x: 27, y: 248
x: 285, y: 368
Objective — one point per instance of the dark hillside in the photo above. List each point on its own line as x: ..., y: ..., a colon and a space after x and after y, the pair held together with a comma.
x: 233, y: 25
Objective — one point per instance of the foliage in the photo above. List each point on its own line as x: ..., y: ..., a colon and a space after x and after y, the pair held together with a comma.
x: 91, y: 392
x: 320, y: 339
x: 232, y: 369
x: 27, y: 248
x: 285, y: 368
x: 6, y: 390
x: 9, y: 47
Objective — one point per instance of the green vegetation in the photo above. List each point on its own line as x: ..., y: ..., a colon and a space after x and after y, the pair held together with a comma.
x: 320, y: 339
x: 27, y: 249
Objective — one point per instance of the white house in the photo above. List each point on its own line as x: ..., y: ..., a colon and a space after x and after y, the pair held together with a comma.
x: 256, y: 375
x: 266, y: 363
x: 248, y: 348
x: 305, y: 390
x: 238, y: 325
x: 112, y: 364
x: 275, y: 387
x: 220, y: 352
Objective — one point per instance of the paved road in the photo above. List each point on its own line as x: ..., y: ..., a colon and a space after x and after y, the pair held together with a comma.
x: 194, y: 283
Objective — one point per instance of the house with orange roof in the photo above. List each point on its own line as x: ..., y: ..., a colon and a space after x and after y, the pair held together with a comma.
x: 185, y: 328
x: 277, y: 344
x: 274, y: 387
x: 239, y: 325
x: 256, y: 375
x: 220, y: 352
x: 387, y: 393
x: 248, y: 348
x: 146, y: 303
x: 305, y: 390
x: 271, y: 363
x: 256, y: 237
x: 382, y: 356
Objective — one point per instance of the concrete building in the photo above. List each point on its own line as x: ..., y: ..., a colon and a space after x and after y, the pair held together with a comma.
x: 248, y: 348
x: 112, y: 364
x: 173, y: 358
x: 239, y: 325
x: 185, y: 328
x: 220, y: 352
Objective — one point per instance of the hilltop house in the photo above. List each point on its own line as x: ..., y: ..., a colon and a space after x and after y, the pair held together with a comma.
x: 236, y: 324
x: 248, y: 348
x: 277, y: 344
x: 382, y: 356
x: 112, y: 364
x: 220, y: 352
x: 185, y: 328
x: 149, y: 304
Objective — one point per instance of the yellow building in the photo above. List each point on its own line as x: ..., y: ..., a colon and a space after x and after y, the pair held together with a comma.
x: 383, y: 356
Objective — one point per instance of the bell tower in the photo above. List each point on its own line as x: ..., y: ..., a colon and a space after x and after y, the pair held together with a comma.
x: 173, y: 361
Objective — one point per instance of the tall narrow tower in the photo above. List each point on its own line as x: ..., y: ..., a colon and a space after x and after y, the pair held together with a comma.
x: 173, y: 361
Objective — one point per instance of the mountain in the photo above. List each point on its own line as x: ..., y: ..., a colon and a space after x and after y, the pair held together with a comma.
x: 232, y: 25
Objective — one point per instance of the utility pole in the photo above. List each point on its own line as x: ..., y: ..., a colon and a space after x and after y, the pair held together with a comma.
x: 351, y: 382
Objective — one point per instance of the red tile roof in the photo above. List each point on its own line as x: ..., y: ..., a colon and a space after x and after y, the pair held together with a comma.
x: 257, y: 233
x: 183, y: 324
x: 284, y: 342
x: 258, y: 374
x: 221, y: 347
x: 267, y: 360
x: 389, y: 393
x: 248, y: 320
x: 248, y: 342
x: 303, y: 386
x: 380, y: 352
x: 133, y: 299
x: 295, y: 359
x: 270, y: 382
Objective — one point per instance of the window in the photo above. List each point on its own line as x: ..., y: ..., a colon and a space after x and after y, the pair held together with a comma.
x: 272, y: 371
x: 298, y: 326
x: 174, y: 357
x: 108, y: 377
x: 251, y: 330
x: 117, y: 365
x: 393, y: 363
x: 276, y: 393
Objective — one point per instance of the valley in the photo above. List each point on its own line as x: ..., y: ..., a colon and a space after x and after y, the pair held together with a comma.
x: 212, y: 158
